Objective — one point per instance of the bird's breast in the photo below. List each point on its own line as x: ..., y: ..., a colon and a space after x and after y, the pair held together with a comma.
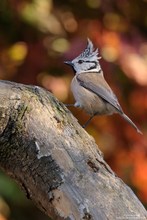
x: 88, y: 100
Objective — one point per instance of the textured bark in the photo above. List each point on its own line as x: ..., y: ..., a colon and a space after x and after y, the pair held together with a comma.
x: 56, y: 162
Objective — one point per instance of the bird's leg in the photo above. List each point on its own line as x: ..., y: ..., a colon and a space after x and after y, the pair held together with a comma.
x: 68, y: 105
x: 75, y: 105
x: 87, y: 122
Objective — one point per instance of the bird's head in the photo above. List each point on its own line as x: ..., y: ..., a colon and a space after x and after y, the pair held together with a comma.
x: 87, y: 61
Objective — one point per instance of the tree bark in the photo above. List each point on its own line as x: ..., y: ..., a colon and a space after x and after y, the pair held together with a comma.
x: 56, y: 162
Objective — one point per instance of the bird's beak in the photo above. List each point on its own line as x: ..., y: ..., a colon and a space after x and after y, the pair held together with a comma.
x: 68, y: 63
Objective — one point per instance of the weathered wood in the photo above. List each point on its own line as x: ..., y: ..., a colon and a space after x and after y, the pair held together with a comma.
x: 56, y: 162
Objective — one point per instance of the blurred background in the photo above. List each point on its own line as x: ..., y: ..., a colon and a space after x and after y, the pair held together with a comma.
x: 36, y: 36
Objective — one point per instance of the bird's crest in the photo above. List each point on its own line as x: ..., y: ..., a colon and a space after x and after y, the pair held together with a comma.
x: 89, y: 51
x: 88, y: 60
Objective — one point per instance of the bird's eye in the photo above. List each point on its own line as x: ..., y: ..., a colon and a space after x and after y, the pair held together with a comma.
x: 80, y: 61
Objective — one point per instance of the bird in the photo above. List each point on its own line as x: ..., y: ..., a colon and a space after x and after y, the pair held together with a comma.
x: 90, y: 89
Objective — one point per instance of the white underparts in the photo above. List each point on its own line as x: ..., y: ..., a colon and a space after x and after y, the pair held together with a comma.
x: 77, y: 104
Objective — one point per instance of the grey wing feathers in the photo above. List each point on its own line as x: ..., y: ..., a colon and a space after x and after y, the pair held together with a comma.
x: 99, y: 90
x: 100, y: 87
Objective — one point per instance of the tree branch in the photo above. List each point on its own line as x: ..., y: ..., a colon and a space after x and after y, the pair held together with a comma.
x: 56, y: 162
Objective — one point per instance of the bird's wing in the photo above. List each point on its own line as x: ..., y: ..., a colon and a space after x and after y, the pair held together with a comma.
x: 99, y: 86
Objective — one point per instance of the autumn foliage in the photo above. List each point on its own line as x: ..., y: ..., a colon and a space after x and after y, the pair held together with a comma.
x: 37, y: 36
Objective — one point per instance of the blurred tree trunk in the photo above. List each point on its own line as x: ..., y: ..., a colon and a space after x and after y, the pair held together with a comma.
x: 56, y: 162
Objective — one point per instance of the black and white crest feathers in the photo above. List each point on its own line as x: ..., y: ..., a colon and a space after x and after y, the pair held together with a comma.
x: 88, y: 60
x: 89, y: 51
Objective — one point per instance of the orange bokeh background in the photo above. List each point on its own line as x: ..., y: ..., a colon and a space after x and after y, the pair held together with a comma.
x: 36, y: 36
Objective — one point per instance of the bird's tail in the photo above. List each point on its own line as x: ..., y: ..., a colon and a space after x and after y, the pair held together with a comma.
x: 131, y: 122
